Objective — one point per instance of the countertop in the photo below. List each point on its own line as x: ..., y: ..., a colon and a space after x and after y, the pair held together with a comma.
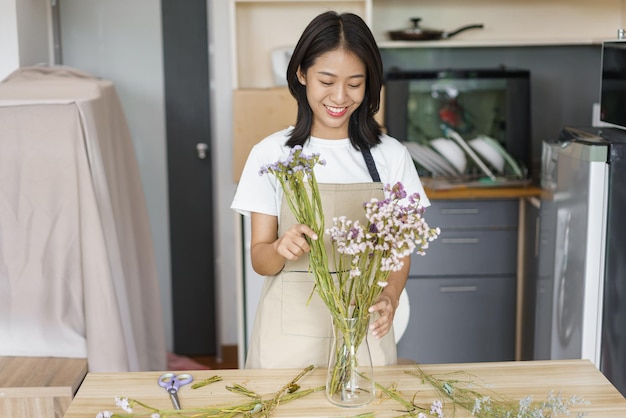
x: 467, y: 192
x: 514, y: 380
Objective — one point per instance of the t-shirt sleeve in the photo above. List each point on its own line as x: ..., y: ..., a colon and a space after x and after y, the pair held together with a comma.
x: 411, y: 180
x: 402, y: 169
x: 255, y: 192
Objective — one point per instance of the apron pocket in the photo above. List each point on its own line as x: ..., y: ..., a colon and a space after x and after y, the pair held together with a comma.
x: 298, y: 317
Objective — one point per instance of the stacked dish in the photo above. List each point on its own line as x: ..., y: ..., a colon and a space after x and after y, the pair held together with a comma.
x: 488, y: 153
x: 493, y: 152
x: 451, y: 152
x: 448, y: 157
x: 431, y: 161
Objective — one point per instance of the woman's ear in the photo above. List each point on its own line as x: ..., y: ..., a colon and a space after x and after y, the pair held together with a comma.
x: 301, y: 76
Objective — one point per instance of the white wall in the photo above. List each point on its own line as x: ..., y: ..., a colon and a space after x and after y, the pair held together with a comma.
x: 33, y: 18
x: 129, y: 53
x: 223, y: 184
x: 9, y: 50
x: 24, y: 34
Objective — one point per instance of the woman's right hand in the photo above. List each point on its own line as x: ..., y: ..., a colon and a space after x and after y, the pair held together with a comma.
x: 293, y: 244
x: 268, y: 251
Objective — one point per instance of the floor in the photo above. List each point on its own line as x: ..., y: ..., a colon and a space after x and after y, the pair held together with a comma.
x: 228, y: 360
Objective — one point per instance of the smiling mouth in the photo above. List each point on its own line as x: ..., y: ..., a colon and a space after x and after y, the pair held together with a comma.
x: 336, y: 111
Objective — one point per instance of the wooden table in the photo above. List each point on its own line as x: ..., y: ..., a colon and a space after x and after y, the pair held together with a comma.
x: 39, y: 386
x: 515, y: 380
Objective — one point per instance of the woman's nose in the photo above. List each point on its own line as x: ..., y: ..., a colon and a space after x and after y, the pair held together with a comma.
x: 339, y: 94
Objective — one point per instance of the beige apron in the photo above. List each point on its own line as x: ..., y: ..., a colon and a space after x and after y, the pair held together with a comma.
x: 287, y: 332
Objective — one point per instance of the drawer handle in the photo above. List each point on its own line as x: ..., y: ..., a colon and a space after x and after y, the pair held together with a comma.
x: 457, y: 289
x: 460, y: 240
x: 467, y: 211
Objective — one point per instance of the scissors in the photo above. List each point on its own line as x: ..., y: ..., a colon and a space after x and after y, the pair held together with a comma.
x: 172, y: 382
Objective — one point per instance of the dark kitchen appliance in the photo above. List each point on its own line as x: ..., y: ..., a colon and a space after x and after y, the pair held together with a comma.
x: 472, y: 102
x: 581, y: 287
x: 613, y: 86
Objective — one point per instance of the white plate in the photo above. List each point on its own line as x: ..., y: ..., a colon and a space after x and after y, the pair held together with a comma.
x: 459, y: 140
x: 430, y: 160
x: 507, y: 157
x: 440, y: 161
x: 488, y: 153
x: 451, y: 152
x: 422, y: 160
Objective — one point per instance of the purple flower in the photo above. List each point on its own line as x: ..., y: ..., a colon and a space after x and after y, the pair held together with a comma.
x: 295, y: 165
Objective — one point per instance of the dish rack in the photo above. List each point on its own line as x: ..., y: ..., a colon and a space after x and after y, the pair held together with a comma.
x: 445, y: 161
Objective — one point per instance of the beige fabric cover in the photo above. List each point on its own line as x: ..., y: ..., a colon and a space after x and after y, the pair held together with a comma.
x: 77, y: 269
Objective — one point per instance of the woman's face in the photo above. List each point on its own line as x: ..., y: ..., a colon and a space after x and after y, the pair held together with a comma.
x: 335, y: 86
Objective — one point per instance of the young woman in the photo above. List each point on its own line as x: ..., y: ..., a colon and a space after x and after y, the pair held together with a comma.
x: 335, y: 74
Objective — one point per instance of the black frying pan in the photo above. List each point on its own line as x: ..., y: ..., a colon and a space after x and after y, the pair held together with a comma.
x: 416, y: 33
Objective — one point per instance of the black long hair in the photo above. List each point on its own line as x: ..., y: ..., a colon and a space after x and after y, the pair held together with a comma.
x: 331, y: 31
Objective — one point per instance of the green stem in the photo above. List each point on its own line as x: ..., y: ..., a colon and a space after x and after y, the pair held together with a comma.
x: 349, y: 335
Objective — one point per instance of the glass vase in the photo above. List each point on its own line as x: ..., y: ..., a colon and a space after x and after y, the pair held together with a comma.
x: 350, y: 376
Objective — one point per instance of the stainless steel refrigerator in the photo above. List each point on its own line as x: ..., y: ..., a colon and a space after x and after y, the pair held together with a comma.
x: 581, y: 286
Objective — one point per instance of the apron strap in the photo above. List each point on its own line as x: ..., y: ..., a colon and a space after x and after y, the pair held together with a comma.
x: 371, y: 165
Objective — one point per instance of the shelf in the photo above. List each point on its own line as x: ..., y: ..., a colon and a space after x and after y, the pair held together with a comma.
x: 507, y: 23
x: 298, y: 1
x: 487, y: 43
x: 260, y: 26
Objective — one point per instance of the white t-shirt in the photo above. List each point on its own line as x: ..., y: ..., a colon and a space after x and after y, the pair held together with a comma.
x: 344, y: 164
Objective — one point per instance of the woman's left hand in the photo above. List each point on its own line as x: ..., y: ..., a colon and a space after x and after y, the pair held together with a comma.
x: 387, y: 310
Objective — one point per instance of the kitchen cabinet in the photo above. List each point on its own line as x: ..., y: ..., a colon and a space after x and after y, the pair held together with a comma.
x: 463, y: 292
x: 258, y: 27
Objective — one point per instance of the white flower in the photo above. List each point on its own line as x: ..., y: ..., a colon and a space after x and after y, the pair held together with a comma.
x: 123, y: 403
x: 437, y: 408
x: 104, y: 414
x: 355, y: 272
x: 155, y: 415
x: 476, y: 408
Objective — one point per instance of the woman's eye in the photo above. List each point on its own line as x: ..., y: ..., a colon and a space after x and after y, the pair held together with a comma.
x: 354, y: 86
x: 326, y: 83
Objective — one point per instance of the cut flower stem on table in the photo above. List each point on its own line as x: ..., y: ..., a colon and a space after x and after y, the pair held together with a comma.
x: 453, y: 393
x: 257, y: 406
x: 460, y: 391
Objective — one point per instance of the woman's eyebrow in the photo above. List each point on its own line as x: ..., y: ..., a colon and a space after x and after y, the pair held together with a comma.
x: 335, y: 75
